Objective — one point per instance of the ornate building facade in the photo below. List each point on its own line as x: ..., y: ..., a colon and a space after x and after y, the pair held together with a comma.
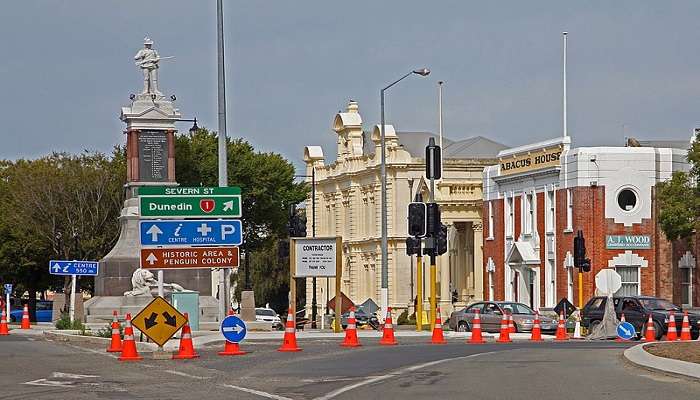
x: 348, y: 198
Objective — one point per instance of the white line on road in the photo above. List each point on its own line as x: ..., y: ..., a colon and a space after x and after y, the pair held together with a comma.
x: 371, y: 380
x: 186, y: 375
x: 46, y: 382
x: 257, y: 392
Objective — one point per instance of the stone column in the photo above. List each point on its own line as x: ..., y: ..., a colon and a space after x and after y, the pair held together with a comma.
x: 478, y: 261
x: 444, y: 295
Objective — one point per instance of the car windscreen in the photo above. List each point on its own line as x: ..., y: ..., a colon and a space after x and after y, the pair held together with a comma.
x: 659, y: 304
x: 266, y: 313
x: 517, y: 308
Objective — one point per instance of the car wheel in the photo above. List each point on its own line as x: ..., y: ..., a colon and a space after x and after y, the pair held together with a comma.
x: 658, y: 329
x: 463, y: 326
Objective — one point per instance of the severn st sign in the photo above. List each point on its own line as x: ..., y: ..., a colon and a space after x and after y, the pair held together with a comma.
x: 193, y: 202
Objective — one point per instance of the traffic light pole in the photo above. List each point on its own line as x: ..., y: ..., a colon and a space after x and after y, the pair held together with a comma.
x: 580, y: 289
x: 313, y: 234
x: 419, y: 294
x: 433, y: 267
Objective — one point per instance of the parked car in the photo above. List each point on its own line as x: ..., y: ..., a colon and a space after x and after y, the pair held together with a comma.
x: 362, y: 318
x: 637, y: 310
x: 263, y: 314
x: 491, y: 314
x: 44, y: 310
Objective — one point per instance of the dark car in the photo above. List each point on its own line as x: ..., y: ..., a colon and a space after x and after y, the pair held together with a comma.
x: 362, y: 318
x: 637, y: 310
x: 491, y: 314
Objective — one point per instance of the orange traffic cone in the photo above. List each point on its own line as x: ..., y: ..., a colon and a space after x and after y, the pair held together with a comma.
x: 231, y: 348
x: 25, y: 318
x: 289, y: 342
x: 4, y: 329
x: 672, y: 331
x: 685, y: 327
x: 116, y: 344
x: 351, y: 339
x: 438, y: 337
x: 511, y: 326
x: 476, y: 338
x: 504, y: 337
x: 650, y: 332
x: 536, y: 329
x: 129, y: 352
x: 561, y: 329
x: 186, y: 350
x: 388, y: 338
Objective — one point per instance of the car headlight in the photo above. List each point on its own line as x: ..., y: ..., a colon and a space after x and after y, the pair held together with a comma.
x: 527, y: 321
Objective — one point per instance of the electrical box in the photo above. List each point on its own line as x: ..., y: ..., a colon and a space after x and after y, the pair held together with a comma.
x: 188, y: 302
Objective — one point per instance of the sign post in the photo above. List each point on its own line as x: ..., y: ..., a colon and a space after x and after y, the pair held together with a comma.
x: 317, y: 257
x: 74, y: 269
x: 8, y: 292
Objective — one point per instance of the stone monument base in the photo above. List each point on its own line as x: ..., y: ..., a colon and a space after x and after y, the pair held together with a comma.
x: 100, y: 308
x: 247, y: 305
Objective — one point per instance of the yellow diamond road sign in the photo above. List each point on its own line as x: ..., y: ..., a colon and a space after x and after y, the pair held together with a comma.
x: 159, y: 321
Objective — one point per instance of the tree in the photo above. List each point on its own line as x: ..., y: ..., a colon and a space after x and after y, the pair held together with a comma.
x: 268, y: 189
x: 59, y: 206
x: 679, y: 198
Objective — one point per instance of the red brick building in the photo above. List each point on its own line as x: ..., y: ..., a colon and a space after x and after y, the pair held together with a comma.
x: 540, y: 195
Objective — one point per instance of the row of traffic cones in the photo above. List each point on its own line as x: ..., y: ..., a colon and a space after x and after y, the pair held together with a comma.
x: 671, y: 331
x: 128, y: 350
x: 5, y: 328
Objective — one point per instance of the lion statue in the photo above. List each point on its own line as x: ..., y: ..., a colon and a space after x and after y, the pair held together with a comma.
x: 143, y: 283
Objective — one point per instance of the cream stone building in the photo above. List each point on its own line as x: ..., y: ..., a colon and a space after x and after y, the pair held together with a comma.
x: 348, y: 197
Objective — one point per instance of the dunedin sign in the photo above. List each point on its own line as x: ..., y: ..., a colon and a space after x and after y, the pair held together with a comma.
x: 530, y: 161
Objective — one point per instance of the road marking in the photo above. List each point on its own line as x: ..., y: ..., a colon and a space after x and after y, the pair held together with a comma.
x: 375, y: 379
x: 72, y: 376
x: 257, y: 392
x: 46, y: 382
x: 186, y: 375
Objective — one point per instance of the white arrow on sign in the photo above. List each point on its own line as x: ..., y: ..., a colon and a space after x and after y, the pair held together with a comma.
x: 154, y: 231
x: 151, y: 258
x: 228, y: 205
x: 56, y: 268
x: 237, y: 328
x: 626, y: 331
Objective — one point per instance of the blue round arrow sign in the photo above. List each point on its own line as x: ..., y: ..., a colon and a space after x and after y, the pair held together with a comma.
x: 233, y: 329
x: 626, y: 331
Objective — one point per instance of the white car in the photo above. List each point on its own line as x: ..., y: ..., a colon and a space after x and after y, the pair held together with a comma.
x: 268, y: 315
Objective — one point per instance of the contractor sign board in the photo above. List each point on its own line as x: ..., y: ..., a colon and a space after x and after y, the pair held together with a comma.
x: 316, y: 256
x: 190, y: 202
x: 189, y: 257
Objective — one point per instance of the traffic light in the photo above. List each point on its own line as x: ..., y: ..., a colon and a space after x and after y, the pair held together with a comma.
x: 442, y: 240
x: 297, y: 225
x: 433, y: 160
x: 580, y: 260
x: 432, y: 219
x: 416, y: 219
x: 412, y: 246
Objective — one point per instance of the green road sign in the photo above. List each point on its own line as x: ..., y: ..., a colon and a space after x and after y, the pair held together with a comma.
x: 195, y: 202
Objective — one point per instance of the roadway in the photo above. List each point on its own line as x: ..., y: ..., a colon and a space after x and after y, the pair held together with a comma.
x: 33, y: 368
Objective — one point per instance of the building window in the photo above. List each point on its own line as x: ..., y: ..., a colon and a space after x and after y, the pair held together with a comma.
x: 570, y: 284
x: 490, y: 220
x: 510, y: 223
x: 630, y: 281
x: 569, y: 210
x: 686, y: 287
x: 550, y: 211
x: 492, y: 287
x: 627, y: 199
x: 529, y: 213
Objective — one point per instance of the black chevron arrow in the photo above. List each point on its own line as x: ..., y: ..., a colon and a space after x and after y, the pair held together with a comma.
x: 151, y: 321
x: 170, y: 319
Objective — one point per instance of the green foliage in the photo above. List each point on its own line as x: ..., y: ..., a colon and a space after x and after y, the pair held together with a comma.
x: 64, y: 323
x: 403, y: 318
x: 679, y: 199
x: 106, y: 331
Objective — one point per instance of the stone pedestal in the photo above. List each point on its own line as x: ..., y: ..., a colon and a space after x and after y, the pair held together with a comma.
x: 247, y: 305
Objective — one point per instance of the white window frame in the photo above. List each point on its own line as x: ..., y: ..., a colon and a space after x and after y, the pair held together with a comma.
x: 550, y: 212
x: 638, y: 282
x: 529, y: 213
x: 569, y: 211
x: 688, y: 286
x: 492, y: 286
x: 570, y: 284
x: 490, y: 221
x: 510, y: 216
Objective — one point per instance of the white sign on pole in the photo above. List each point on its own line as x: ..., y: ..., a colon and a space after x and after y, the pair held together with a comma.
x: 315, y: 257
x: 607, y: 281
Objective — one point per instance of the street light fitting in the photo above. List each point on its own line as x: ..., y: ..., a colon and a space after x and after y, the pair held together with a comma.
x: 194, y: 127
x: 422, y: 72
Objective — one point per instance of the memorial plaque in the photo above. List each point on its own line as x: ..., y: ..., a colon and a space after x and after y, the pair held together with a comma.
x: 153, y: 156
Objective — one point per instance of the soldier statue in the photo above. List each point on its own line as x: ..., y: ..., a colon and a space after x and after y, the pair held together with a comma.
x: 147, y: 58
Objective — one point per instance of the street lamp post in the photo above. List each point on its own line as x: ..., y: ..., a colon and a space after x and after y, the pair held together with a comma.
x: 385, y: 242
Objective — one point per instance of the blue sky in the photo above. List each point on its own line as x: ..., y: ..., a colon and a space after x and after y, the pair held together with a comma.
x: 66, y: 68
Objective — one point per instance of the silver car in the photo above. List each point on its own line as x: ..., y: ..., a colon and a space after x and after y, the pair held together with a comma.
x: 491, y: 314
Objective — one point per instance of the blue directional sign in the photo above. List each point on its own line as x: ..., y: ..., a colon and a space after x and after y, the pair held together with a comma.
x: 8, y: 288
x: 205, y: 232
x: 626, y: 331
x: 88, y: 268
x: 233, y: 329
